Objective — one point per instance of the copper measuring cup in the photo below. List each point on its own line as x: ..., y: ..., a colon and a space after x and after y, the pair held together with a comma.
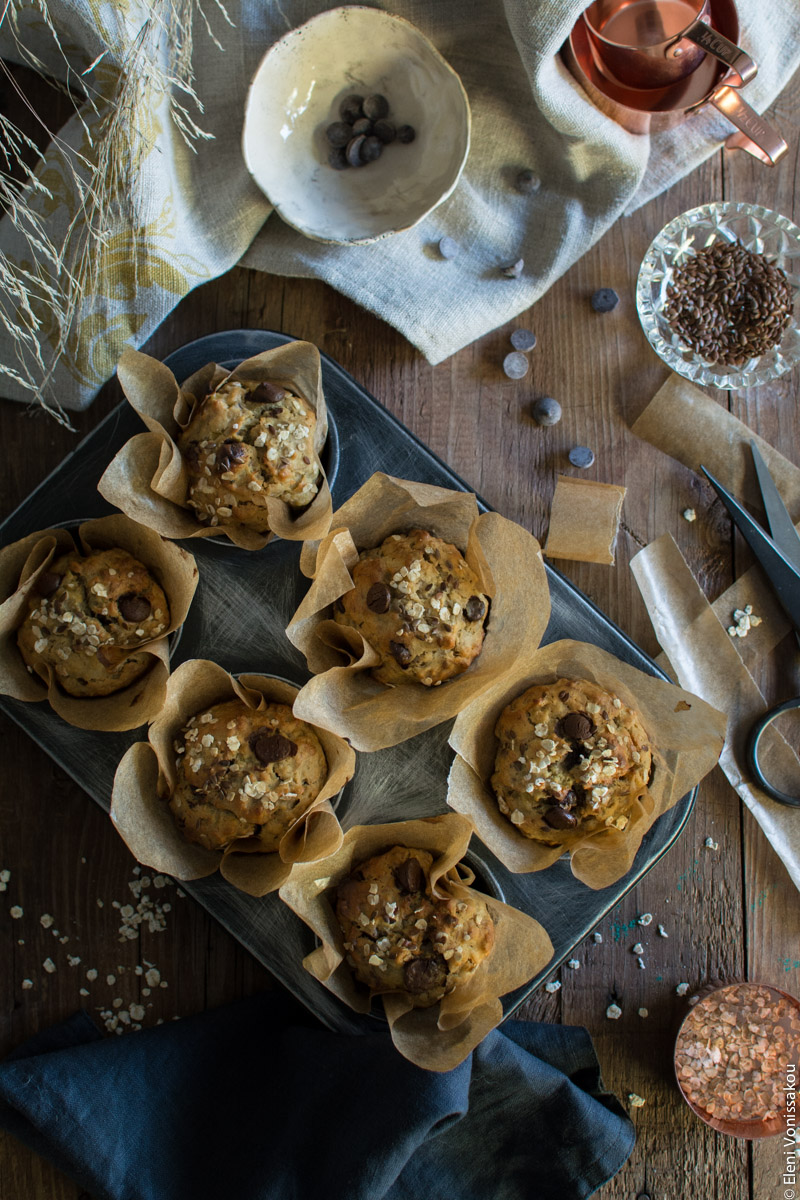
x: 655, y: 43
x: 650, y: 110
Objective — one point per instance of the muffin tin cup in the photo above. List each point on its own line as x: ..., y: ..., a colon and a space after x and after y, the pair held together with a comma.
x: 507, y: 561
x: 686, y: 737
x: 148, y: 480
x: 440, y: 1037
x: 21, y: 566
x: 146, y: 775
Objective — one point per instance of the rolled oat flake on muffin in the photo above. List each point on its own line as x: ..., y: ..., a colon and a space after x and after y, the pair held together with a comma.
x: 416, y: 601
x: 246, y: 442
x: 572, y: 759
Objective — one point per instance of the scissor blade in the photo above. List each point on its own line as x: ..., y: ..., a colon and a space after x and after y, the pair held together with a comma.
x: 781, y: 525
x: 783, y: 576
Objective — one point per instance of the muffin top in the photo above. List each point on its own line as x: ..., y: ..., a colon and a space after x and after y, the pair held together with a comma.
x: 244, y: 773
x: 87, y: 618
x: 245, y: 442
x: 419, y: 605
x: 572, y: 758
x: 398, y: 936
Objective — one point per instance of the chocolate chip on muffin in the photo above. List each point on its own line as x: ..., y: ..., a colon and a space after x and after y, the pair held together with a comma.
x: 245, y: 773
x: 398, y: 936
x: 88, y: 618
x: 572, y: 758
x: 246, y: 442
x: 419, y: 605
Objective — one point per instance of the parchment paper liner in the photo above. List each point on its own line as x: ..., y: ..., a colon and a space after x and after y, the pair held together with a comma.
x: 146, y: 776
x: 508, y: 563
x: 148, y: 479
x: 686, y: 738
x: 21, y: 565
x: 440, y: 1037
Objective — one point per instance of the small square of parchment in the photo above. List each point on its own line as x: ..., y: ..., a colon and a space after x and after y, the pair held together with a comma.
x: 584, y: 520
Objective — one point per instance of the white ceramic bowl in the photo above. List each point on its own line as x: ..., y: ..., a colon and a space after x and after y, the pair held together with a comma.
x: 294, y: 96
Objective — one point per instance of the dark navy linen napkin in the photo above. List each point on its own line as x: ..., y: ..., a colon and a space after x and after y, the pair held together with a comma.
x: 254, y: 1102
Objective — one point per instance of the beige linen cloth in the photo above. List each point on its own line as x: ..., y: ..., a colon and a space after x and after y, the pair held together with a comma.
x: 199, y: 213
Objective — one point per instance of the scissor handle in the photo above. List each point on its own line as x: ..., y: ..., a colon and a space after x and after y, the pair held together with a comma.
x: 752, y: 753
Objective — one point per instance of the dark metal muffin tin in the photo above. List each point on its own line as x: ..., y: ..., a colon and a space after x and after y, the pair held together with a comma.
x: 242, y: 605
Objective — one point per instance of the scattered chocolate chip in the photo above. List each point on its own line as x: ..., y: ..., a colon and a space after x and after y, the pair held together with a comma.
x: 575, y: 726
x: 48, y: 583
x: 581, y: 456
x: 353, y: 151
x: 563, y: 696
x: 376, y: 107
x: 350, y: 109
x: 379, y: 598
x: 134, y: 608
x: 337, y: 158
x: 409, y: 876
x: 339, y: 133
x: 571, y: 760
x: 523, y: 339
x: 372, y: 149
x: 267, y: 393
x: 362, y: 125
x: 513, y: 270
x: 422, y: 974
x: 271, y: 747
x: 559, y: 818
x: 516, y: 365
x: 527, y: 182
x: 406, y: 134
x: 475, y: 609
x: 546, y: 411
x: 386, y: 131
x: 448, y: 247
x: 400, y: 653
x: 604, y: 300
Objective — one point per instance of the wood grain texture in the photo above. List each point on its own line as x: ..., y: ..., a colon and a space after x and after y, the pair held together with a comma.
x: 728, y: 912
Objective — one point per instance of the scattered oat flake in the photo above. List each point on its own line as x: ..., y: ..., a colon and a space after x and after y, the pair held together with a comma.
x: 5, y: 875
x: 689, y: 515
x: 574, y: 965
x: 153, y: 977
x: 111, y: 979
x: 83, y: 992
x: 91, y: 974
x: 16, y: 912
x: 49, y: 966
x: 662, y: 932
x: 45, y: 920
x: 645, y: 919
x: 99, y: 903
x: 682, y: 989
x: 613, y: 1012
x: 712, y: 845
x: 27, y: 984
x: 73, y: 960
x: 597, y: 937
x: 552, y: 986
x: 643, y: 1012
x: 636, y: 1101
x: 640, y: 964
x: 637, y: 949
x: 137, y: 1012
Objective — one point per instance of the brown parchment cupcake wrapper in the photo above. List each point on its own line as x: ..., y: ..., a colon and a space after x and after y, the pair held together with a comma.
x: 147, y: 478
x: 440, y: 1037
x: 507, y: 560
x: 146, y: 777
x: 22, y: 564
x: 686, y: 737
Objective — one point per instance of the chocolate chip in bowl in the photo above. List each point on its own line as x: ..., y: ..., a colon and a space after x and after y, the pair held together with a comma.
x: 718, y: 294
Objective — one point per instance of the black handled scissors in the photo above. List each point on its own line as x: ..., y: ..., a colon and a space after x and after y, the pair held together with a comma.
x: 779, y: 555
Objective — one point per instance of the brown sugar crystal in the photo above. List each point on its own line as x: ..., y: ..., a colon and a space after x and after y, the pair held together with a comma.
x: 733, y: 1051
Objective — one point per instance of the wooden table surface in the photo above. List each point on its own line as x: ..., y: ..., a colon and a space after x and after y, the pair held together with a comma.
x: 730, y: 912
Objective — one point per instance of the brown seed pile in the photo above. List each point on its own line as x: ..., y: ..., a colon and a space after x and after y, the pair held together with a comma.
x: 732, y: 1052
x: 729, y: 303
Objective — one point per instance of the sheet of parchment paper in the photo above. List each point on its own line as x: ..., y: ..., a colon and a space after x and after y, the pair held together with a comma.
x: 584, y: 520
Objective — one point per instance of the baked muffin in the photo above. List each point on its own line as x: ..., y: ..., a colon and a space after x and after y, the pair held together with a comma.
x: 418, y: 604
x: 572, y: 758
x: 87, y: 618
x: 399, y: 937
x: 244, y: 774
x: 244, y: 442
